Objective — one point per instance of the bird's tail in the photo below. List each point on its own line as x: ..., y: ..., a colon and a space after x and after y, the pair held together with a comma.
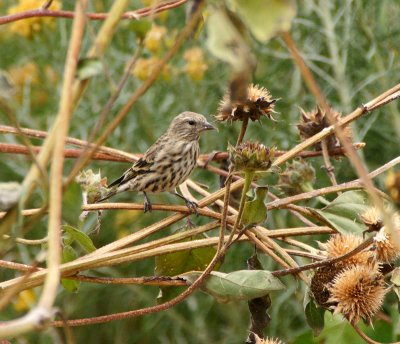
x: 111, y: 192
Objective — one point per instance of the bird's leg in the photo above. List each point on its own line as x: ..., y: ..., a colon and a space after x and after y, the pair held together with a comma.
x: 147, y: 203
x: 190, y: 204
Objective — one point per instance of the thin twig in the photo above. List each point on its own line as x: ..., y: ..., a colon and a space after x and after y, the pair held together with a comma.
x: 328, y: 165
x: 44, y: 12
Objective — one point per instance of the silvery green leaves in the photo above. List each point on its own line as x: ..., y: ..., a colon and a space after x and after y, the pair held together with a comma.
x: 265, y: 18
x: 343, y: 213
x: 237, y: 285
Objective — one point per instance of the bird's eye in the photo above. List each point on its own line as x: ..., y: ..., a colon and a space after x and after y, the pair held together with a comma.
x: 191, y: 122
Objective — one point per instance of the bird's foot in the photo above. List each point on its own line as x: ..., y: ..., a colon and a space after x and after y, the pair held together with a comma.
x: 193, y: 206
x: 147, y: 204
x: 189, y: 223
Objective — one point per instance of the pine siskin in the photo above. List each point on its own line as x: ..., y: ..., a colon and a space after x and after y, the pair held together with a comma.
x: 167, y: 163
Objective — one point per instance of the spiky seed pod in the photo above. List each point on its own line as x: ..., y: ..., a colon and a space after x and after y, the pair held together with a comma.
x: 358, y: 292
x: 267, y: 340
x: 384, y: 245
x: 323, y: 276
x: 257, y: 104
x: 92, y: 185
x: 340, y: 244
x: 372, y: 219
x: 298, y: 177
x: 315, y: 121
x: 251, y: 156
x: 392, y: 184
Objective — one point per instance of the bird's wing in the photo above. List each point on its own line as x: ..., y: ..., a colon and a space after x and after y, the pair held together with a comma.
x: 143, y: 165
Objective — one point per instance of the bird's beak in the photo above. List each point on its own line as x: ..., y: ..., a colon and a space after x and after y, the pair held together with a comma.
x: 208, y: 126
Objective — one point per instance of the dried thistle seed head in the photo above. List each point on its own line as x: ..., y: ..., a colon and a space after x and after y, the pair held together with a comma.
x: 392, y: 184
x: 323, y: 276
x: 358, y: 292
x: 340, y: 244
x: 313, y: 122
x: 267, y: 340
x: 257, y: 104
x: 372, y: 219
x: 298, y: 177
x: 251, y: 156
x: 385, y: 248
x: 92, y: 185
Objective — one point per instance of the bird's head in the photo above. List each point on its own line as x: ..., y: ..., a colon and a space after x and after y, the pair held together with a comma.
x: 188, y: 126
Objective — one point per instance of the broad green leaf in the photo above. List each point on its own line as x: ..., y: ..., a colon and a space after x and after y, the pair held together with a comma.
x: 237, y: 285
x: 314, y: 315
x: 265, y: 18
x: 68, y: 255
x: 81, y: 238
x: 255, y: 211
x: 344, y: 212
x: 72, y: 203
x: 226, y: 41
x: 88, y: 68
x: 177, y: 263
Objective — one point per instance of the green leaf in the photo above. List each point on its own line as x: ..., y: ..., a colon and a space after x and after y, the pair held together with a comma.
x: 237, y: 285
x: 88, y: 68
x: 265, y: 18
x: 72, y: 203
x: 68, y: 255
x: 177, y: 263
x: 81, y: 238
x: 254, y: 211
x: 140, y: 27
x: 343, y: 213
x: 225, y: 39
x: 314, y: 315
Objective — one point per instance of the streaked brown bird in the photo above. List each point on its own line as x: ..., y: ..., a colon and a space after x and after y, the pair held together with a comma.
x: 167, y: 163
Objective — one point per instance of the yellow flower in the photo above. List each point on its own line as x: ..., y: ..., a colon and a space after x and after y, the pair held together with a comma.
x: 195, y: 65
x: 154, y: 38
x: 28, y: 27
x: 392, y: 184
x: 25, y: 300
x: 144, y: 68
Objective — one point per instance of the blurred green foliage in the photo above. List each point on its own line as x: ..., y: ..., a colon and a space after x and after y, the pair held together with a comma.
x: 353, y: 49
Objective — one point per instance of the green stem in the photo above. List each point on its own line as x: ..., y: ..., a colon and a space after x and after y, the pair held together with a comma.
x: 248, y: 178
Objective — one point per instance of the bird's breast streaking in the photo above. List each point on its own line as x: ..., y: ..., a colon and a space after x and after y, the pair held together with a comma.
x: 168, y: 162
x: 172, y: 165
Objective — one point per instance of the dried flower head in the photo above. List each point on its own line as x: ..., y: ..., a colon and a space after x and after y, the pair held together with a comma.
x: 340, y: 244
x: 92, y: 185
x: 386, y: 250
x: 267, y: 340
x: 313, y: 122
x: 257, y: 104
x: 392, y: 184
x: 298, y: 177
x: 251, y: 156
x: 358, y: 292
x: 320, y: 281
x: 372, y: 219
